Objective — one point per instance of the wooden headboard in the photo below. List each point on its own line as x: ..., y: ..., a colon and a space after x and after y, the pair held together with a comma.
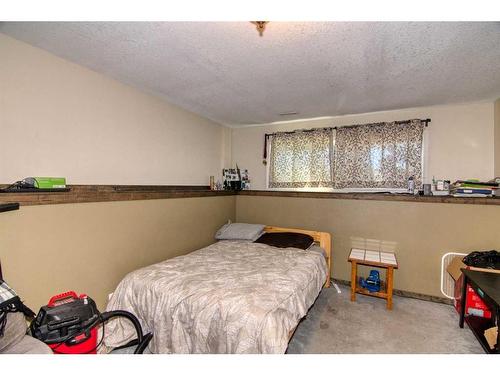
x: 324, y: 240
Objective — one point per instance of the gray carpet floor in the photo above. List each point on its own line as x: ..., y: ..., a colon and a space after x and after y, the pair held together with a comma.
x: 334, y: 324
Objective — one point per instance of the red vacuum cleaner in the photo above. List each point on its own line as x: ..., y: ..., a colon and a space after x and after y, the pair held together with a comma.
x: 69, y: 325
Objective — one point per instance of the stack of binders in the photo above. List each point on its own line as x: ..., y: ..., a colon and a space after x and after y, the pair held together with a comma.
x: 473, y: 188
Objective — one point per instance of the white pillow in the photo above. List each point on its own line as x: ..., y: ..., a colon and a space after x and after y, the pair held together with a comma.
x: 240, y: 231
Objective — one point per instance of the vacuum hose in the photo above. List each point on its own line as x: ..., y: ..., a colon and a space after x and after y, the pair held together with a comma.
x: 141, y: 341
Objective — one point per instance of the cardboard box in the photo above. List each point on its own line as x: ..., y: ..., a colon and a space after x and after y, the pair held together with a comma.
x: 491, y: 336
x: 456, y: 264
x: 474, y: 305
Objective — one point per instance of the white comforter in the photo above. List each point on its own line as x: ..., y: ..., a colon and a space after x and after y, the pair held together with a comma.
x: 230, y: 297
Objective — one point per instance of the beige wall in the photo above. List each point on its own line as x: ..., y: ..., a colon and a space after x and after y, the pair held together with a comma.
x: 497, y: 138
x: 89, y: 247
x: 61, y: 119
x: 459, y: 140
x: 58, y: 118
x: 419, y: 233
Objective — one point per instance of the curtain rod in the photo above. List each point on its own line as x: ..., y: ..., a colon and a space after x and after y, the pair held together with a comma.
x: 267, y: 135
x: 426, y: 121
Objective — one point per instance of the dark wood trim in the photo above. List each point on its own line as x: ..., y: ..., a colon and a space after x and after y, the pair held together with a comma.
x: 111, y: 193
x: 374, y: 197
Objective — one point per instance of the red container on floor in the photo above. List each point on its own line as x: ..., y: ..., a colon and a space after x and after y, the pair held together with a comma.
x: 86, y: 344
x: 68, y: 324
x: 474, y: 305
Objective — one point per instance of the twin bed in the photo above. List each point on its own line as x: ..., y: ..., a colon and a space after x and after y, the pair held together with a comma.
x: 233, y: 296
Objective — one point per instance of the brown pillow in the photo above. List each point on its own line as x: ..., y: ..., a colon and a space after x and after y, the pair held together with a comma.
x: 286, y: 239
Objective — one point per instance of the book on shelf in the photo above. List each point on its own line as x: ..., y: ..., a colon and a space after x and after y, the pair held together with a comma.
x: 465, y: 195
x: 472, y: 191
x: 477, y: 186
x: 476, y: 183
x: 473, y: 188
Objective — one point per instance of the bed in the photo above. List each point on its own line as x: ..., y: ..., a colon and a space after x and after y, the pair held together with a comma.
x: 229, y: 297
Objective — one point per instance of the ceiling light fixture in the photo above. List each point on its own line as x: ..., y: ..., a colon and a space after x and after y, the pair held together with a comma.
x: 260, y: 26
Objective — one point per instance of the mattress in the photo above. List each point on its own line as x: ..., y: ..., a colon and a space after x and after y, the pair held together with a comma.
x: 229, y: 297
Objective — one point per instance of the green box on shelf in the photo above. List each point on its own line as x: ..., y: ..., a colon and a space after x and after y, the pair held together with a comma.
x: 50, y: 182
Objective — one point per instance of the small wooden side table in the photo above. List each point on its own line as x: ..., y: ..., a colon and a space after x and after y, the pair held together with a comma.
x: 375, y: 259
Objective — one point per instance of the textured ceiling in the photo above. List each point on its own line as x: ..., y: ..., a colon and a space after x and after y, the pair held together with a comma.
x: 226, y: 72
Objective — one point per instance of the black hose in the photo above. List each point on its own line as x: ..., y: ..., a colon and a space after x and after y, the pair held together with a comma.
x: 143, y: 344
x: 142, y: 340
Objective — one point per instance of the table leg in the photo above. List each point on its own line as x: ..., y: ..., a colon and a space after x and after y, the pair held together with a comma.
x: 354, y: 270
x: 389, y: 281
x: 462, y: 301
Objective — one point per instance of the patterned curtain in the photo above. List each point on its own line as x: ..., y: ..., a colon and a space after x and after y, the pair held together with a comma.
x: 381, y: 155
x: 301, y: 159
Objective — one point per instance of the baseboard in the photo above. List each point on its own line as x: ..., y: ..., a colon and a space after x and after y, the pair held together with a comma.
x: 404, y: 293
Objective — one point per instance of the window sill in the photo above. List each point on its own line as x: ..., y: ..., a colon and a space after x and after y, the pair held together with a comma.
x: 342, y: 191
x: 396, y: 197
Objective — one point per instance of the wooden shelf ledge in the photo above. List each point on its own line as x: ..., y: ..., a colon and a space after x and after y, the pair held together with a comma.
x: 111, y: 193
x: 374, y: 197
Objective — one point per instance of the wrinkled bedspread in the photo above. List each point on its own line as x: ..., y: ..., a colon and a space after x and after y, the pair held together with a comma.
x: 229, y: 297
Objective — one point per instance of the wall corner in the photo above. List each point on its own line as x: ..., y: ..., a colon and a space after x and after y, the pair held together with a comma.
x: 496, y: 133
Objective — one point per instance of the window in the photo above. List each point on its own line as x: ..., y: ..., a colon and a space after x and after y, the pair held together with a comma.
x: 381, y: 155
x: 301, y: 159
